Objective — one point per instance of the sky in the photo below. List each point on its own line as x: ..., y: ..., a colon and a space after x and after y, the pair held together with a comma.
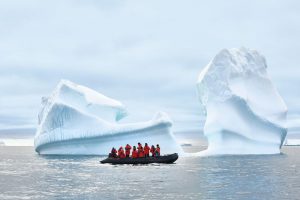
x: 146, y: 54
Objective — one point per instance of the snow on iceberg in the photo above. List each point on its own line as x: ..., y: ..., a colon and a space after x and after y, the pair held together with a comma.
x: 292, y: 142
x: 244, y: 112
x: 81, y: 121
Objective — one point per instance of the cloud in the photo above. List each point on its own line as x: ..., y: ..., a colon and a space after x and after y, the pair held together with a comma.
x: 146, y: 54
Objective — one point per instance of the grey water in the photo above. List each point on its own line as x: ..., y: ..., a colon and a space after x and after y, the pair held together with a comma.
x: 26, y: 175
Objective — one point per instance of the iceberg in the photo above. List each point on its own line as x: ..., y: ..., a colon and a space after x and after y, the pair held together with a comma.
x: 2, y: 143
x: 292, y: 142
x: 244, y: 112
x: 76, y: 120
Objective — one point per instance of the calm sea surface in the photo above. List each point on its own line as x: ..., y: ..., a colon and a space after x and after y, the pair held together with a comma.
x: 26, y: 175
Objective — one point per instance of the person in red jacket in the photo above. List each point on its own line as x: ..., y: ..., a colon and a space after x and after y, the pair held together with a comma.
x: 146, y: 150
x: 121, y: 153
x: 157, y: 151
x: 140, y: 150
x: 141, y: 154
x: 127, y: 150
x: 134, y: 153
x: 152, y: 150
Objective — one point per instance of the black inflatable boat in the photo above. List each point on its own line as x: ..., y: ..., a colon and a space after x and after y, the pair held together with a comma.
x: 160, y: 159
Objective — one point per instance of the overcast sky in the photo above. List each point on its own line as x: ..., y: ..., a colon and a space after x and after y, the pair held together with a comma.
x: 147, y: 54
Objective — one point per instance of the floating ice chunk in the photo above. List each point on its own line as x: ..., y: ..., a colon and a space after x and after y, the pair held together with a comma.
x: 292, y: 142
x: 244, y: 112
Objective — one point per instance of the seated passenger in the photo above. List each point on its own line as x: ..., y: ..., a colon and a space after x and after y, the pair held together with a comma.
x: 141, y: 154
x: 121, y: 153
x: 146, y: 150
x: 127, y: 150
x: 152, y: 150
x: 113, y: 153
x: 140, y: 150
x: 134, y: 152
x: 157, y: 151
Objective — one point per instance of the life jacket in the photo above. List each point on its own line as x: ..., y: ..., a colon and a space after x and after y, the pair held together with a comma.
x: 134, y: 154
x: 121, y: 153
x: 127, y: 149
x: 146, y: 149
x: 140, y: 148
x: 141, y: 154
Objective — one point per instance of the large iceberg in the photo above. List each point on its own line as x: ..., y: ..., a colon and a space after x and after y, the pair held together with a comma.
x: 78, y: 120
x: 244, y: 112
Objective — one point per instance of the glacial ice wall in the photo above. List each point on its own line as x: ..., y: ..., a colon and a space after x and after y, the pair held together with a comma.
x: 77, y: 120
x: 244, y: 112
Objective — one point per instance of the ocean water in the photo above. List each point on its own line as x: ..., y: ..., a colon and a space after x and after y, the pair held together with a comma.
x: 26, y: 175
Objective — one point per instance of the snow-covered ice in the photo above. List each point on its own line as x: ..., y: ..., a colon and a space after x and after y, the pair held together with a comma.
x: 78, y: 120
x: 244, y: 112
x: 292, y: 142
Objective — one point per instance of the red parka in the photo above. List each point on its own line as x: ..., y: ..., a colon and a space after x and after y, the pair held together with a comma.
x: 121, y: 153
x: 127, y: 150
x: 146, y: 149
x: 134, y: 153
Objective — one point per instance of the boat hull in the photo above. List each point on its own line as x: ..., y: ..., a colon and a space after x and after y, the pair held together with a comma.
x: 168, y: 159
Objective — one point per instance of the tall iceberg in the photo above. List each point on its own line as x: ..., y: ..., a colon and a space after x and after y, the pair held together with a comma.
x: 77, y: 120
x: 244, y: 112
